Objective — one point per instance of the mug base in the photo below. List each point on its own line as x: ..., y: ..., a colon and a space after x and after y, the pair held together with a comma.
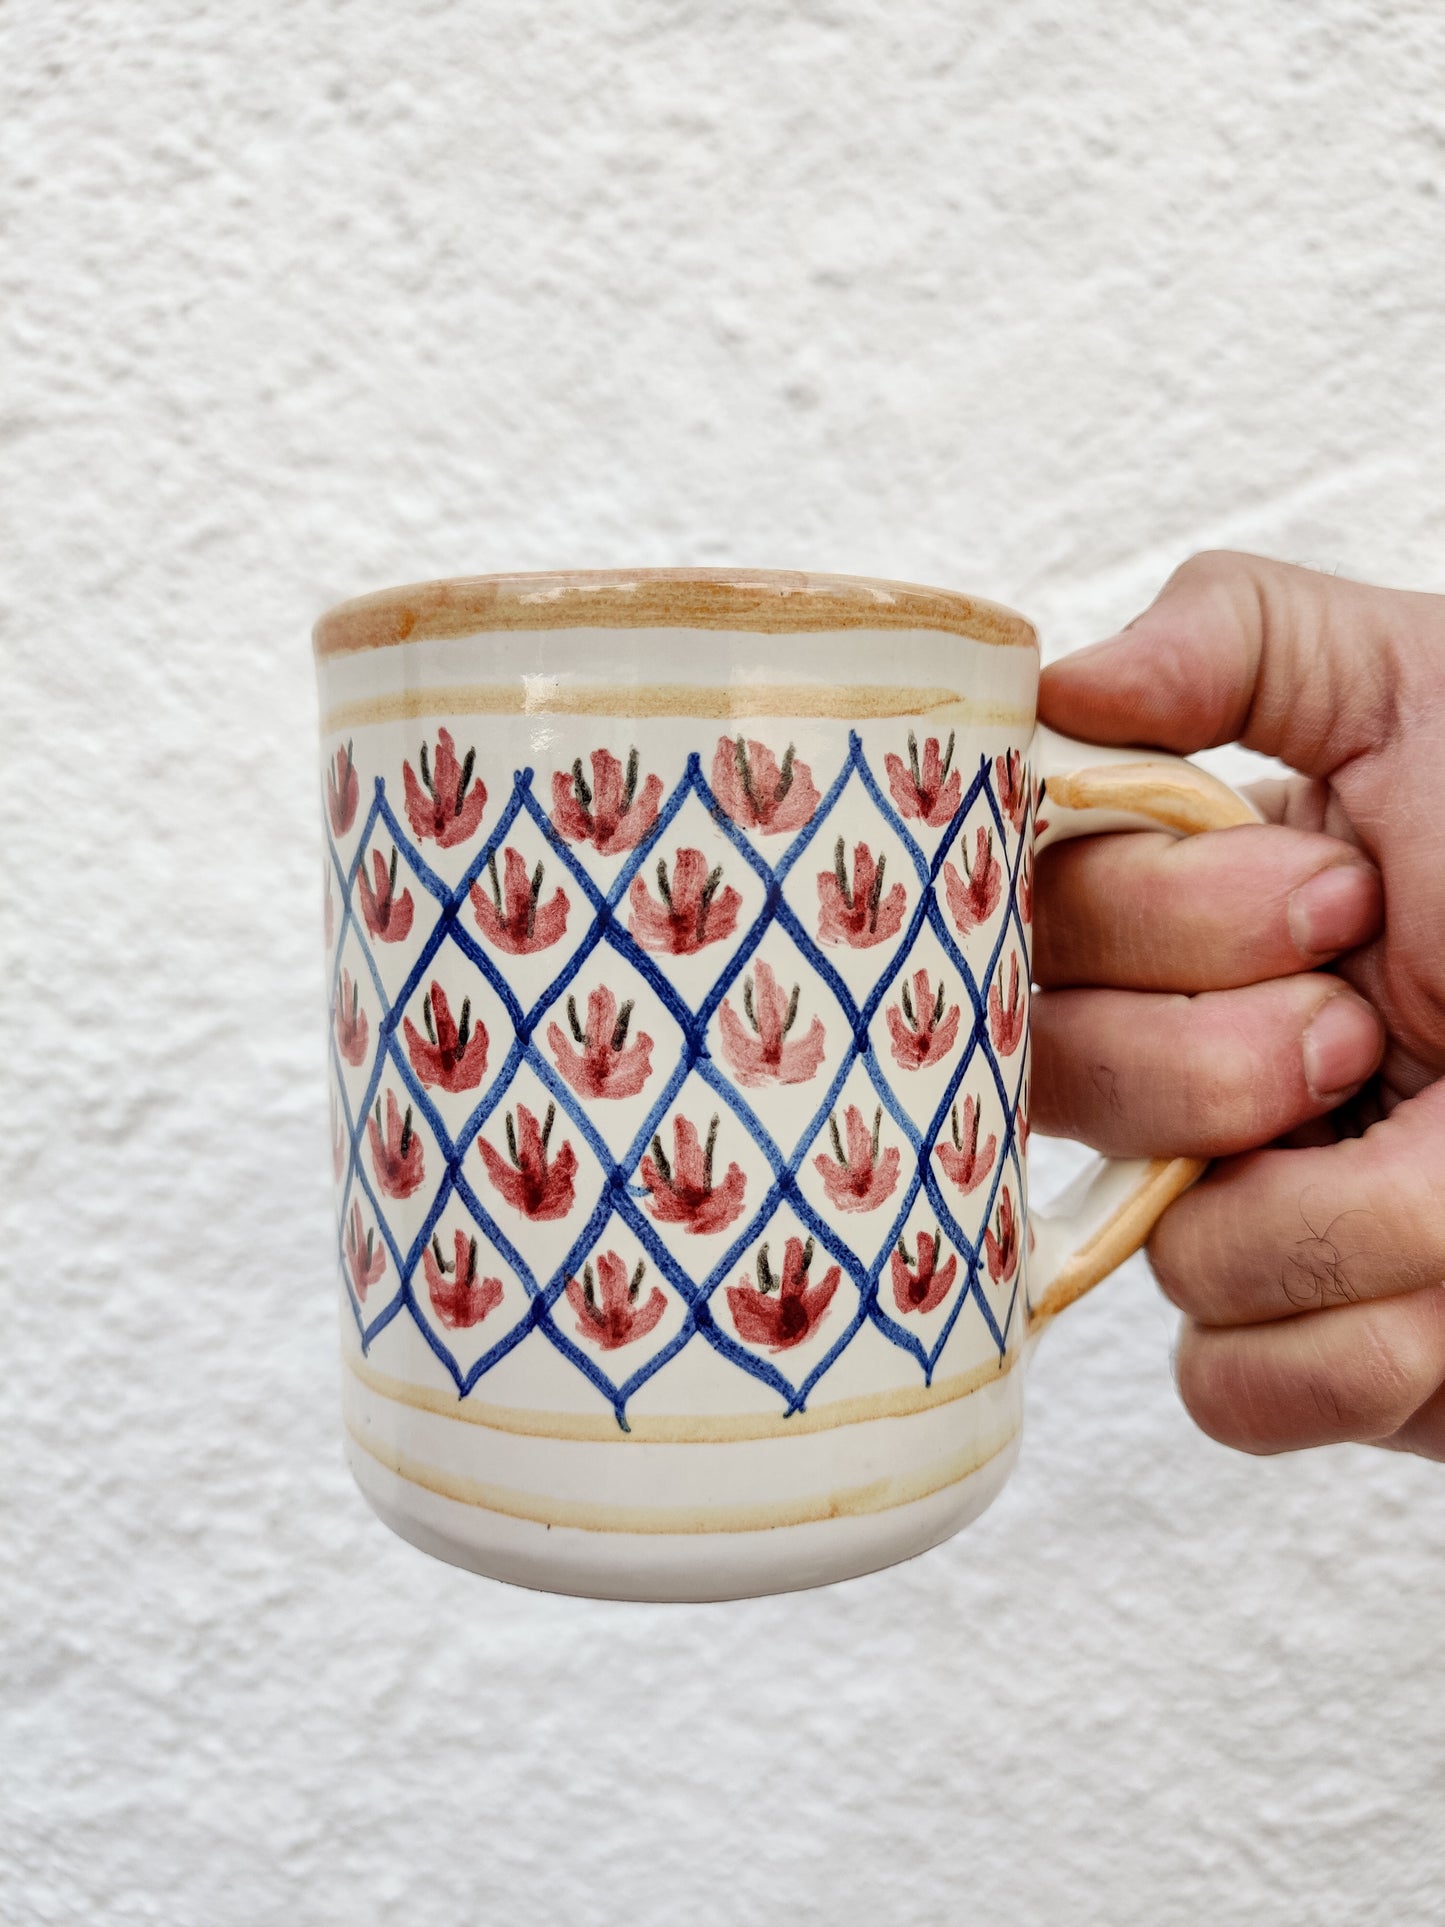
x: 673, y: 1568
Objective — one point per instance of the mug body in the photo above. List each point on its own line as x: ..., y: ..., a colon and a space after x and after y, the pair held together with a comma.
x: 677, y: 932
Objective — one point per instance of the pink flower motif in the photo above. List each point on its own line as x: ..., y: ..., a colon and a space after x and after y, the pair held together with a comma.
x: 342, y: 792
x: 858, y: 914
x: 860, y: 1179
x: 607, y: 1065
x: 782, y: 1312
x: 364, y: 1260
x: 1022, y: 1126
x: 457, y: 1297
x: 758, y: 794
x: 932, y: 795
x: 1007, y: 1026
x: 440, y: 806
x: 610, y: 1310
x: 964, y: 1163
x: 452, y: 1055
x: 397, y: 1157
x: 524, y: 924
x: 351, y: 1026
x: 693, y: 912
x: 923, y: 1286
x: 608, y: 812
x: 541, y: 1189
x: 1013, y: 787
x: 338, y: 1137
x: 1026, y: 888
x: 921, y: 1032
x: 974, y: 902
x: 388, y: 916
x: 1002, y: 1252
x: 762, y: 1056
x: 683, y: 1191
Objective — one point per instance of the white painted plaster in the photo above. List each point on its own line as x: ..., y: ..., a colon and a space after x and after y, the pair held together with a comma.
x: 298, y: 300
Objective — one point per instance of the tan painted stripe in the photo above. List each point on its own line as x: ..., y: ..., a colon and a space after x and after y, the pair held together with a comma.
x: 1176, y: 795
x: 1120, y: 1237
x: 682, y: 1428
x: 879, y: 1495
x: 544, y: 696
x: 766, y: 601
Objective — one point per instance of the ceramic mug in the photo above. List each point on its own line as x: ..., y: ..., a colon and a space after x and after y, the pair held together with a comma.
x: 678, y: 938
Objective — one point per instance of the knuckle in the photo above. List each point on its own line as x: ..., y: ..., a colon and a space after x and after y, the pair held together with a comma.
x: 1225, y: 1097
x: 1383, y: 1385
x: 1322, y: 1267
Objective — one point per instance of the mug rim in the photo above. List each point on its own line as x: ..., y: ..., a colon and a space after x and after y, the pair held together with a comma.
x: 763, y: 601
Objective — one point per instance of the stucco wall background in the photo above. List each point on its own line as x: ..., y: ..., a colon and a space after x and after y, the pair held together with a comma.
x: 299, y: 300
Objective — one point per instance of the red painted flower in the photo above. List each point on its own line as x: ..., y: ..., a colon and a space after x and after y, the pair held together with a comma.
x: 338, y: 1137
x: 365, y: 1259
x: 606, y: 1065
x: 930, y: 794
x: 920, y: 1031
x: 1022, y: 1127
x: 522, y: 923
x: 964, y: 1163
x: 610, y: 1308
x: 922, y: 1286
x: 452, y: 1054
x: 388, y: 916
x: 607, y: 813
x: 858, y: 913
x: 1013, y: 788
x: 397, y: 1157
x: 693, y: 912
x: 351, y: 1026
x: 973, y: 902
x: 860, y: 1179
x: 445, y: 805
x: 539, y: 1187
x: 762, y: 1055
x: 1002, y: 1252
x: 457, y: 1296
x: 782, y: 1312
x: 757, y: 792
x: 1026, y: 888
x: 683, y: 1191
x: 1041, y: 823
x: 342, y: 792
x: 1007, y: 1026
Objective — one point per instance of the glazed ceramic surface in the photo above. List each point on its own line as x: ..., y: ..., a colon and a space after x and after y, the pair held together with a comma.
x: 678, y: 952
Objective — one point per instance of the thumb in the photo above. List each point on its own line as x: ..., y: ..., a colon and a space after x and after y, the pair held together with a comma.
x: 1236, y: 648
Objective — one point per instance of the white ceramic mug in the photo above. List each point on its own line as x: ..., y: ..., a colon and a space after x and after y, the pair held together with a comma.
x: 678, y: 930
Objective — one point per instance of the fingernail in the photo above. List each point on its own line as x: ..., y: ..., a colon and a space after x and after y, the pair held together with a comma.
x: 1341, y: 1047
x: 1335, y: 910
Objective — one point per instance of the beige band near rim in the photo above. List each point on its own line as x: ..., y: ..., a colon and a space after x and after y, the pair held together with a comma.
x: 765, y: 601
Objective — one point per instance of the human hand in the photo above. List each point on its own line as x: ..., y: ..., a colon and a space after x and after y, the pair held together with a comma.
x: 1183, y: 1010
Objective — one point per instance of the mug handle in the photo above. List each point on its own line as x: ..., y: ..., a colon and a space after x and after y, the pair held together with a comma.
x: 1108, y: 1211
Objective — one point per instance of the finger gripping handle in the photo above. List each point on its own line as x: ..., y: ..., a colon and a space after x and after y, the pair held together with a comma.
x: 1107, y: 1213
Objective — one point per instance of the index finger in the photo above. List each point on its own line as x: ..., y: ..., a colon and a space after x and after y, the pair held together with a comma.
x: 1236, y: 648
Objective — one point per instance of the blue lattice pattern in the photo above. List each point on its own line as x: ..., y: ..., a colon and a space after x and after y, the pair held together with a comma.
x: 617, y: 1322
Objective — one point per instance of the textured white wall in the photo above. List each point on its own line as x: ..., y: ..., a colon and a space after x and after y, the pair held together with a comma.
x: 300, y: 299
